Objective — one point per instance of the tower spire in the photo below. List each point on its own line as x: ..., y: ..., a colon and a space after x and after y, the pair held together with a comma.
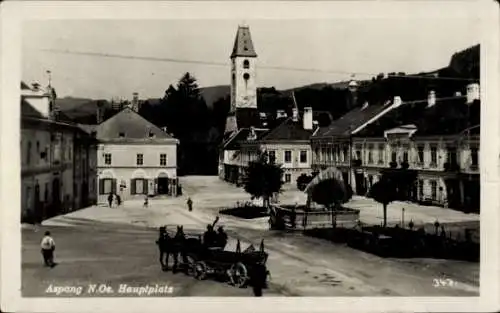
x: 243, y: 45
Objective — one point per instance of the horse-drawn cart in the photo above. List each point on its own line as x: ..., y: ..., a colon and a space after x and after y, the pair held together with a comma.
x: 236, y: 266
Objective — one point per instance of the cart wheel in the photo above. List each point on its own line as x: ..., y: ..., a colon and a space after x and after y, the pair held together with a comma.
x: 200, y: 270
x: 240, y: 275
x: 191, y: 266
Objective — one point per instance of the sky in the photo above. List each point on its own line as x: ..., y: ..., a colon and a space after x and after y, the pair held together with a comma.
x: 363, y: 46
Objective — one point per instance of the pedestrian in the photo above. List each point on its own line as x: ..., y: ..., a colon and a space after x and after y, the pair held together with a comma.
x: 48, y: 246
x: 258, y: 277
x: 118, y: 200
x: 190, y: 204
x: 110, y: 199
x: 221, y: 238
x: 146, y: 201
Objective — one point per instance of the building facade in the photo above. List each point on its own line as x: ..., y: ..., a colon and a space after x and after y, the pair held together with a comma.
x: 53, y: 172
x: 135, y: 158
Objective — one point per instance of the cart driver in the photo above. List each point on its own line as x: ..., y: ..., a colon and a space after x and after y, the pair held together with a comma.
x: 210, y: 237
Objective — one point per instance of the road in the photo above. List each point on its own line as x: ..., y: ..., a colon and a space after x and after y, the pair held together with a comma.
x: 300, y: 266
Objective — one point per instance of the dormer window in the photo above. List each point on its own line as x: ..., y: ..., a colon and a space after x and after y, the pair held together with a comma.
x: 151, y: 134
x: 121, y: 134
x: 246, y: 64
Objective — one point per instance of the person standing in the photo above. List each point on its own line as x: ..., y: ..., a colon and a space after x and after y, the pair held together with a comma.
x: 190, y: 204
x: 110, y: 199
x: 146, y: 201
x: 118, y: 200
x: 48, y: 246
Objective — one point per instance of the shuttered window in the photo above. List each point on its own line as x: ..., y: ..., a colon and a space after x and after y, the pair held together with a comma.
x: 107, y: 185
x: 139, y: 186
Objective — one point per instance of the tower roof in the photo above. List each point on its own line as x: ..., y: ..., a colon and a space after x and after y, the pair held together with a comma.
x: 243, y: 45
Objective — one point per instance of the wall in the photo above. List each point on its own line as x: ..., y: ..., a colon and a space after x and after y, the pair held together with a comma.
x: 124, y: 168
x: 245, y: 93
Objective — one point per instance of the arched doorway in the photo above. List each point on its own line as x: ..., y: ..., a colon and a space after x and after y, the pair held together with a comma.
x: 162, y: 183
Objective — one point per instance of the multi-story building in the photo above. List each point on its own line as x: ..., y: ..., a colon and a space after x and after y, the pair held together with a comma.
x: 437, y: 139
x: 287, y: 145
x: 50, y: 166
x: 332, y: 145
x: 135, y: 157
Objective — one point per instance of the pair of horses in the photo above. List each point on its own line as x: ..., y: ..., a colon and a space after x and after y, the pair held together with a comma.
x: 175, y: 246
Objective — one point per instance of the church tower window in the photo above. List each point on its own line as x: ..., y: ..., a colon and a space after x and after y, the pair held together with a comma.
x: 246, y: 76
x: 246, y: 64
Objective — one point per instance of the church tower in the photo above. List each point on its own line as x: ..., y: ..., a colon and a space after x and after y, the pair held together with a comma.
x: 243, y: 86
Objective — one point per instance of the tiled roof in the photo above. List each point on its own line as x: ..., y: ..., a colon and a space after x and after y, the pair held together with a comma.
x: 132, y: 126
x: 27, y: 110
x: 350, y: 121
x: 241, y: 135
x: 288, y: 130
x: 243, y: 45
x: 448, y: 116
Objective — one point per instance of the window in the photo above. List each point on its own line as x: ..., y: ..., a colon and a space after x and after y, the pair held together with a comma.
x: 28, y: 154
x: 121, y: 134
x: 140, y: 159
x: 107, y: 158
x: 405, y: 156
x: 452, y: 155
x: 272, y: 155
x: 370, y: 157
x: 163, y: 159
x: 316, y: 152
x: 433, y: 190
x: 139, y: 186
x: 28, y: 198
x: 303, y: 156
x: 420, y: 152
x: 394, y: 156
x: 107, y: 186
x: 288, y: 178
x: 474, y: 155
x: 288, y: 156
x: 246, y: 64
x: 37, y: 146
x: 358, y: 155
x: 381, y: 155
x: 433, y: 156
x: 246, y: 76
x: 421, y: 189
x: 345, y: 154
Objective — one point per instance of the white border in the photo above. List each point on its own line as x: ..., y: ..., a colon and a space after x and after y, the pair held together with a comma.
x: 13, y: 13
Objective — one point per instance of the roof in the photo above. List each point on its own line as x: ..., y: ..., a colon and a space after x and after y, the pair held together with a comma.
x: 234, y: 142
x: 447, y: 117
x: 27, y: 110
x: 350, y: 121
x: 243, y: 45
x: 289, y: 130
x: 133, y: 127
x: 25, y: 86
x: 247, y: 117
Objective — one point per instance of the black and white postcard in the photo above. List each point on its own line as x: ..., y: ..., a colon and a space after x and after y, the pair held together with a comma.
x: 192, y: 156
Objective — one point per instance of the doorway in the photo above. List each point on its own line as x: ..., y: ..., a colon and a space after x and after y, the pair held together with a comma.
x: 56, y: 198
x: 162, y: 185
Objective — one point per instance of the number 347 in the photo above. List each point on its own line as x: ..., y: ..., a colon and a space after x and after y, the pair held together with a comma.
x: 440, y: 282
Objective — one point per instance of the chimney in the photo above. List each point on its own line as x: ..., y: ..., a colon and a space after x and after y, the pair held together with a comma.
x: 397, y: 101
x: 100, y: 113
x: 308, y: 118
x: 135, y: 101
x: 295, y: 114
x: 431, y: 99
x: 472, y: 93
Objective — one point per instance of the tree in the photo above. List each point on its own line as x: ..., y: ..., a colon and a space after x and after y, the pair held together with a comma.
x: 384, y: 192
x: 303, y: 180
x: 263, y: 179
x: 331, y: 193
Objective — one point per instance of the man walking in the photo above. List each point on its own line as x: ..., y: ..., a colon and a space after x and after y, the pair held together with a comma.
x: 110, y: 199
x: 48, y: 246
x: 190, y: 204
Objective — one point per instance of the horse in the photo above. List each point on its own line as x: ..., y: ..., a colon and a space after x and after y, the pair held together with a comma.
x: 178, y: 247
x: 164, y: 243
